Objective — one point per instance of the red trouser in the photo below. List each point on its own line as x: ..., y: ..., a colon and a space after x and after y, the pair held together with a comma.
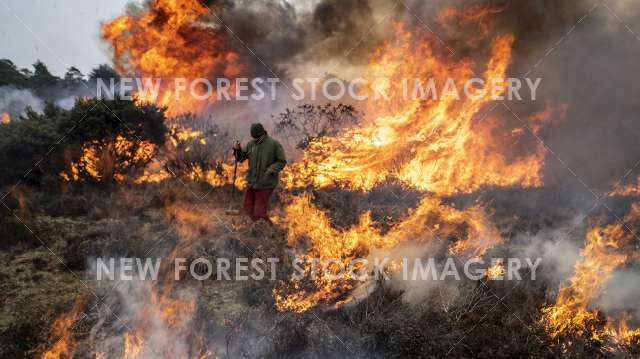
x: 256, y: 203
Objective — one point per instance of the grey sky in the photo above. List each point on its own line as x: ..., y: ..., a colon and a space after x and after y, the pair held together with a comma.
x: 66, y: 32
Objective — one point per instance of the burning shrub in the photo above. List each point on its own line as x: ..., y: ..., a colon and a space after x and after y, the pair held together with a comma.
x: 307, y: 122
x: 110, y: 140
x: 196, y: 150
x: 104, y: 142
x: 197, y: 147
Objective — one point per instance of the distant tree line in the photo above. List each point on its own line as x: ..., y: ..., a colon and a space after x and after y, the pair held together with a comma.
x: 48, y: 86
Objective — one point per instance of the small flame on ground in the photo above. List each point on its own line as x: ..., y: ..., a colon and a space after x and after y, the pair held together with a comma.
x: 632, y: 189
x: 5, y: 118
x: 65, y: 345
x: 496, y: 271
x: 607, y: 248
x: 306, y: 222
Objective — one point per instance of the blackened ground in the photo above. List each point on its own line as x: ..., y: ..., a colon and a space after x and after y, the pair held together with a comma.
x: 488, y: 319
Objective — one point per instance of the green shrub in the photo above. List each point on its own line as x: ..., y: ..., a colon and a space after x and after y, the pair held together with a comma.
x: 95, y: 141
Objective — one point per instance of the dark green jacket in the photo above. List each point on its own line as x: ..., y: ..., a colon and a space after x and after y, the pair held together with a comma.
x: 266, y: 160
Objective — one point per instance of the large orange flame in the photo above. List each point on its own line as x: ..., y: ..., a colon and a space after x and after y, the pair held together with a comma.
x: 438, y: 146
x: 172, y: 39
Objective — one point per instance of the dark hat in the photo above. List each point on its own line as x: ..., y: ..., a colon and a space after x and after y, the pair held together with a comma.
x: 257, y: 130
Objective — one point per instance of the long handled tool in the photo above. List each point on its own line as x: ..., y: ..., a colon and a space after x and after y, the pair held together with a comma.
x: 231, y: 211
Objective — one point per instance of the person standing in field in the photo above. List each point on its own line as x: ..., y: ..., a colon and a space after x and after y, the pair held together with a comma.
x: 266, y: 160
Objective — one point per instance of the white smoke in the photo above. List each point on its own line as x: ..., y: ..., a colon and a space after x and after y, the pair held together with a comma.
x: 140, y: 311
x: 15, y: 101
x: 559, y: 249
x: 621, y: 292
x: 67, y: 102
